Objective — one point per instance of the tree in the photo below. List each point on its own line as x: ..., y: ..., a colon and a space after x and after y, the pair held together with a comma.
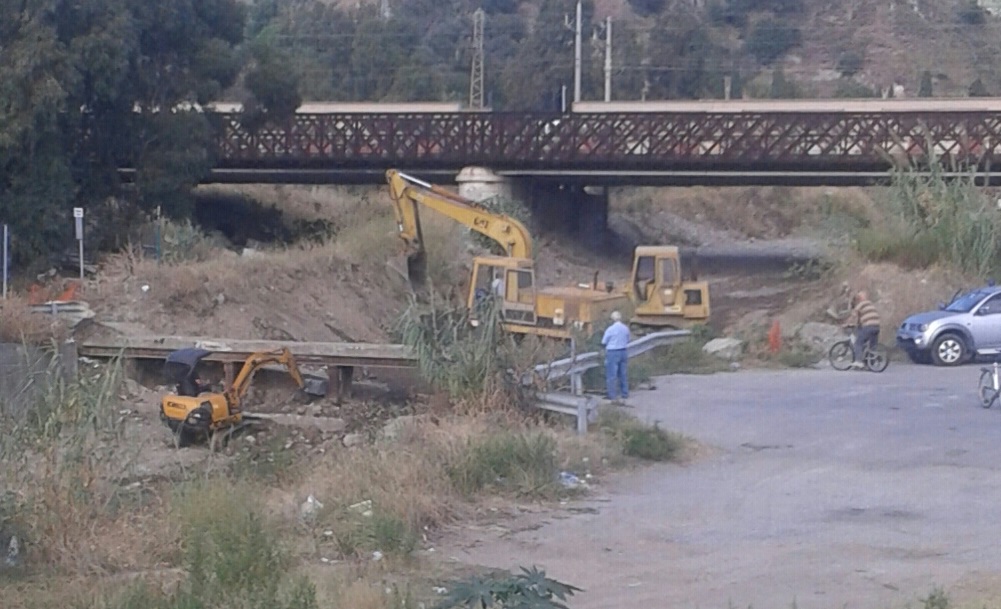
x: 544, y: 60
x: 925, y: 88
x: 850, y: 63
x: 781, y: 87
x: 977, y: 89
x: 88, y: 86
x: 684, y: 60
x: 770, y: 39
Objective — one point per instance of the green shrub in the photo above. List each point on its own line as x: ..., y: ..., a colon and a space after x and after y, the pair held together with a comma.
x: 524, y: 463
x: 232, y: 554
x: 899, y: 247
x: 950, y: 221
x: 356, y: 534
x: 640, y: 440
x: 464, y: 361
x: 530, y: 589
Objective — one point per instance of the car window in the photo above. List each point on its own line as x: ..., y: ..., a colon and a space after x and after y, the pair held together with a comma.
x: 965, y: 303
x: 991, y: 307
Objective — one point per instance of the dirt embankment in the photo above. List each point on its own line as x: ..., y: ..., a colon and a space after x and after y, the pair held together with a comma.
x: 754, y: 245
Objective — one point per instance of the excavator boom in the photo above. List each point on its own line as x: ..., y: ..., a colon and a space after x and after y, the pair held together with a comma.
x: 408, y: 193
x: 254, y: 363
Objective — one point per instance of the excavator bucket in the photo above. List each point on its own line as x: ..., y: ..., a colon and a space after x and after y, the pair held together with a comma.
x: 314, y: 386
x: 417, y: 269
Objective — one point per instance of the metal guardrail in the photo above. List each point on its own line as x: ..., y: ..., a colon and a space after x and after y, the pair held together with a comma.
x: 576, y: 403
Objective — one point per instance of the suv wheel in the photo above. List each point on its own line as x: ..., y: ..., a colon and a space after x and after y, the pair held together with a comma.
x: 948, y: 350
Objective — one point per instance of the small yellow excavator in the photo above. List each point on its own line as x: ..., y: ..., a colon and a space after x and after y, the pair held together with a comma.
x: 656, y: 297
x: 192, y: 412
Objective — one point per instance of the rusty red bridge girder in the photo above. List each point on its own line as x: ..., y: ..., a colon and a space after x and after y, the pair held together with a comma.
x: 532, y: 143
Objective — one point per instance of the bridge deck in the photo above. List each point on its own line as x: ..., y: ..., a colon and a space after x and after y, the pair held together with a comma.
x: 231, y: 350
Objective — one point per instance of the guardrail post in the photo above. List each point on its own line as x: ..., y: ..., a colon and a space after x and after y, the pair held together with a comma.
x: 583, y: 408
x: 577, y: 383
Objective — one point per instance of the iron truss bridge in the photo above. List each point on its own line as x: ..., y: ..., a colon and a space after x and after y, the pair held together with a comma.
x: 796, y: 142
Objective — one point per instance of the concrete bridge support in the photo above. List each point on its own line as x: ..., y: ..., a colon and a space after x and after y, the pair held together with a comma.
x: 578, y: 211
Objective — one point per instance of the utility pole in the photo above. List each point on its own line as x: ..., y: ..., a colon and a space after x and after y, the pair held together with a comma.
x: 607, y: 48
x: 576, y: 53
x: 476, y: 71
x: 608, y: 59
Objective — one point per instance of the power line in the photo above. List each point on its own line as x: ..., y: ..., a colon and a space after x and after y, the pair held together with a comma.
x: 476, y: 70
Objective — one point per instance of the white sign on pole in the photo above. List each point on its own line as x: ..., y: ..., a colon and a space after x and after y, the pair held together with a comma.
x: 78, y: 222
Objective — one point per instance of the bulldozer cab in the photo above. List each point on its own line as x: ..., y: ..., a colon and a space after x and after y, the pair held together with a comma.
x: 657, y: 288
x: 511, y: 281
x: 655, y: 276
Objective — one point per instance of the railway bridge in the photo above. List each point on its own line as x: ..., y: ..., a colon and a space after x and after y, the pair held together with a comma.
x: 565, y: 162
x: 793, y: 142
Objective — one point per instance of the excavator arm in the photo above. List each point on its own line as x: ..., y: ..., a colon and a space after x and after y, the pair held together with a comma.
x: 408, y: 193
x: 254, y: 363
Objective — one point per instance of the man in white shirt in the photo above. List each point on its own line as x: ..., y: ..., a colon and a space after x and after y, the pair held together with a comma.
x: 497, y: 285
x: 615, y: 341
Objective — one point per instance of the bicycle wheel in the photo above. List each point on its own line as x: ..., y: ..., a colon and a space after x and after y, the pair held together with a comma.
x: 841, y: 355
x: 988, y: 395
x: 877, y: 358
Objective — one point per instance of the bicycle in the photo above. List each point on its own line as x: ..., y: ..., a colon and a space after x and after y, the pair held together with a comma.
x: 842, y: 355
x: 990, y: 388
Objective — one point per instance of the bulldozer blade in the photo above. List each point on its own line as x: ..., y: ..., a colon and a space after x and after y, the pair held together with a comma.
x: 315, y: 387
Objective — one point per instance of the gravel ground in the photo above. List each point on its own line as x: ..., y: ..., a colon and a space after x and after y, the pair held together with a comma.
x: 820, y: 488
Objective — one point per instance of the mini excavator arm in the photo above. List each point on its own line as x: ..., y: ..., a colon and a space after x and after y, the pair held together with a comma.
x: 235, y: 394
x: 408, y: 193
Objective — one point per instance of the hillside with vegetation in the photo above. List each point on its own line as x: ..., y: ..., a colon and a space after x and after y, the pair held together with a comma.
x: 661, y: 49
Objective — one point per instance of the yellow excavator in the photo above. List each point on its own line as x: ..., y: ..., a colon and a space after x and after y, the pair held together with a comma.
x: 656, y: 297
x: 193, y: 412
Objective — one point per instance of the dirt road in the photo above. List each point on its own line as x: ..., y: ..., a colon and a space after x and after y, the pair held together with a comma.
x: 825, y: 489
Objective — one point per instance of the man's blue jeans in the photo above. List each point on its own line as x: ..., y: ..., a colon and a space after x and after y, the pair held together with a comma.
x: 616, y: 379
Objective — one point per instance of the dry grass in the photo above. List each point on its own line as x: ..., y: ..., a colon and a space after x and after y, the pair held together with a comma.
x: 755, y: 212
x: 19, y: 325
x: 60, y: 469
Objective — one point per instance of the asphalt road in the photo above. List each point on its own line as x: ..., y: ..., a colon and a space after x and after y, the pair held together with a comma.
x: 821, y: 488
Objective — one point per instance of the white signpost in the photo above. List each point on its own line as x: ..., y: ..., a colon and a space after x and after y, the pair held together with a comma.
x: 78, y: 221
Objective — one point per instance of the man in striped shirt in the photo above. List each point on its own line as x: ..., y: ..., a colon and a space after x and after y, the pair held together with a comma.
x: 865, y: 318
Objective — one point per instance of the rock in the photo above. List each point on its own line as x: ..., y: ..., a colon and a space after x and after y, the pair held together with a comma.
x: 392, y: 429
x: 251, y: 440
x: 220, y: 299
x: 353, y: 439
x: 11, y: 549
x: 309, y: 508
x: 315, y: 410
x: 330, y: 424
x: 820, y: 335
x: 132, y: 388
x: 248, y: 252
x: 300, y: 411
x: 725, y: 348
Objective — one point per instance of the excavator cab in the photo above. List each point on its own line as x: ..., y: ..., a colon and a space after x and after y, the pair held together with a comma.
x: 181, y: 368
x: 511, y: 281
x: 659, y: 294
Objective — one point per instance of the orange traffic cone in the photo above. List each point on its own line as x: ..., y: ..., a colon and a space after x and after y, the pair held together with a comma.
x: 775, y: 337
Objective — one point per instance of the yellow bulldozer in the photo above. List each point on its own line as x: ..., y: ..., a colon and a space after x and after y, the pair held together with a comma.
x: 656, y: 297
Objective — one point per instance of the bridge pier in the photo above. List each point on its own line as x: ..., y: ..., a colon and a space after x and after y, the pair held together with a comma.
x: 579, y: 211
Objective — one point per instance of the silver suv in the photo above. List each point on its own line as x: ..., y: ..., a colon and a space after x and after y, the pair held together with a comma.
x: 969, y: 325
